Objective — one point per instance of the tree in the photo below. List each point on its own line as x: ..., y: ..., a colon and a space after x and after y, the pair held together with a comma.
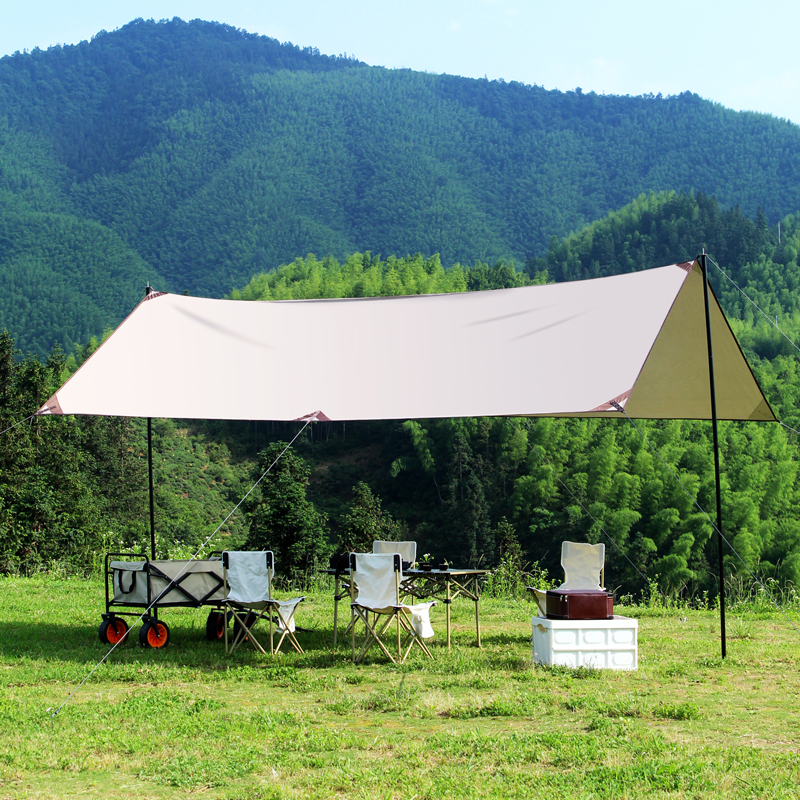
x: 285, y: 520
x: 367, y: 522
x: 466, y: 507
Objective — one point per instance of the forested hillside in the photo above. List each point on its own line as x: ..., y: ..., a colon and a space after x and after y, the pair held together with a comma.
x: 475, y: 486
x: 470, y: 490
x: 204, y: 159
x: 194, y: 155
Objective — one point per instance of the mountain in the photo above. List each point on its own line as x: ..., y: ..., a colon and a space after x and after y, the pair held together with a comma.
x: 194, y: 155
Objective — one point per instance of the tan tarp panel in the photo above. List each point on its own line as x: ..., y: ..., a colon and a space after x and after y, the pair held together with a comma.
x: 562, y: 349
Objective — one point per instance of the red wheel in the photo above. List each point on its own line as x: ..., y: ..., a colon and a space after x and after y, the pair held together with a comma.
x: 239, y: 630
x: 113, y: 631
x: 154, y: 634
x: 215, y: 626
x: 117, y: 630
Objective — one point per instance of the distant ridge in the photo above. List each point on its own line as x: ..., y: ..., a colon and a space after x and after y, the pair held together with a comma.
x: 195, y: 155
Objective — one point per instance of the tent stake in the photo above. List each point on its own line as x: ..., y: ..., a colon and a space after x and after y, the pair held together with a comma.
x: 702, y: 259
x: 150, y: 474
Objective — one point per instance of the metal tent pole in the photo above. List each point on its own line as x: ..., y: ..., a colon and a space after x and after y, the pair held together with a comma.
x: 152, y: 503
x: 702, y: 259
x: 148, y: 289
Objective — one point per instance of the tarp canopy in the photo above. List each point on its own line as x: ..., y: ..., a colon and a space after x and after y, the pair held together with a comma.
x: 564, y: 349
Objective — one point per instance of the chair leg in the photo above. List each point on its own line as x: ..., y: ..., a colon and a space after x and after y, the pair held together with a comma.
x: 371, y: 637
x: 357, y: 658
x: 374, y: 632
x: 271, y: 635
x: 239, y: 632
x: 247, y: 634
x: 243, y: 632
x: 359, y: 614
x: 368, y: 642
x: 256, y: 643
x: 354, y: 615
x: 285, y: 633
x: 292, y: 639
x: 386, y: 623
x: 412, y: 637
x: 238, y: 635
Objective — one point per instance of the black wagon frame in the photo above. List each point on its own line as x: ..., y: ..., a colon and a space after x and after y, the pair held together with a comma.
x: 154, y: 631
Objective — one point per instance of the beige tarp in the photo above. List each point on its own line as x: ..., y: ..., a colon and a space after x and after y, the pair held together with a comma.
x: 561, y: 349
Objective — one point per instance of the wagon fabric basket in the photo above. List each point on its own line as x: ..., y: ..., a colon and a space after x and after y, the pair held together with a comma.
x: 183, y: 583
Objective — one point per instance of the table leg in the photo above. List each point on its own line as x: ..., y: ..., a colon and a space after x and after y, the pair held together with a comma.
x: 477, y: 612
x: 352, y: 614
x: 447, y: 608
x: 335, y: 608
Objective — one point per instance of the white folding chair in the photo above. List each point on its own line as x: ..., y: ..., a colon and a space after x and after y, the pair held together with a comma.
x: 584, y: 567
x: 407, y: 550
x: 408, y: 553
x: 584, y: 571
x: 378, y: 577
x: 248, y: 596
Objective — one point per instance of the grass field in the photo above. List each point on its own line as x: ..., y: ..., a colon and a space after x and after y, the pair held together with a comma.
x: 188, y: 721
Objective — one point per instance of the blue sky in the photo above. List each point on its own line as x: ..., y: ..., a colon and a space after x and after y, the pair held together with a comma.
x: 743, y: 55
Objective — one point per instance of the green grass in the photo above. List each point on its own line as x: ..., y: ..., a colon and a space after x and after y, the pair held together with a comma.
x: 187, y: 721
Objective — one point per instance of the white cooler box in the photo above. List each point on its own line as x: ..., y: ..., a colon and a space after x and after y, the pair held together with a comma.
x: 597, y: 643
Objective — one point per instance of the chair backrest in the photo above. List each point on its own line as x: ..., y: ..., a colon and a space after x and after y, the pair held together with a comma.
x: 407, y: 550
x: 377, y: 577
x: 249, y: 575
x: 582, y: 564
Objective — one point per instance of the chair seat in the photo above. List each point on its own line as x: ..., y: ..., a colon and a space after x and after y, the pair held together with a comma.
x: 286, y: 610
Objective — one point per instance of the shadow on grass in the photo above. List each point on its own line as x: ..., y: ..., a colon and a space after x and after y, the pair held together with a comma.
x: 80, y: 643
x: 64, y: 645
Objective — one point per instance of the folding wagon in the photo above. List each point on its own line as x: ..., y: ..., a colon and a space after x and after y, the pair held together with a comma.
x: 138, y: 582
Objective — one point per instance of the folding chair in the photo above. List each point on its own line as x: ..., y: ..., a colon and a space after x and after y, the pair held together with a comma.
x: 584, y: 567
x: 378, y: 577
x: 408, y: 553
x: 248, y: 582
x: 584, y: 571
x: 407, y: 550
